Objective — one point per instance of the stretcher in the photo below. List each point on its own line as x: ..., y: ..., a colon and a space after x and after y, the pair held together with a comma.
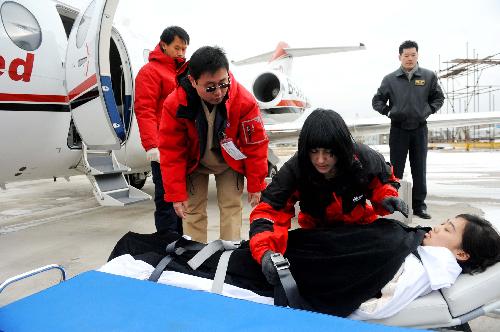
x: 97, y: 301
x: 471, y: 296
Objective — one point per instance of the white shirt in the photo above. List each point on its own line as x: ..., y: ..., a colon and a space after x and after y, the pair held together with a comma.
x: 438, y: 269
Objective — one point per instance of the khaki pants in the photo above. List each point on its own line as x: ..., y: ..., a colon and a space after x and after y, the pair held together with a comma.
x: 229, y: 191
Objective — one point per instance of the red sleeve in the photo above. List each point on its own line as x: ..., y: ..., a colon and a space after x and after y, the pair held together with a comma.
x: 380, y: 191
x: 253, y: 142
x: 147, y: 93
x: 269, y: 228
x: 173, y: 152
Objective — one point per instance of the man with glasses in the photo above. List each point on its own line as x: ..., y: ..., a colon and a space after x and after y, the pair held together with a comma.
x: 211, y: 125
x: 153, y: 84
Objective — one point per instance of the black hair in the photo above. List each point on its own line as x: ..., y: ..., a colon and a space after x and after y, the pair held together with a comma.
x: 207, y: 59
x: 407, y: 44
x: 326, y: 129
x: 481, y: 241
x: 168, y: 35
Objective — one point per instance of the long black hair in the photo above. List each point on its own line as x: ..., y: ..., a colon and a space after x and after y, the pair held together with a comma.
x: 481, y: 241
x: 326, y: 129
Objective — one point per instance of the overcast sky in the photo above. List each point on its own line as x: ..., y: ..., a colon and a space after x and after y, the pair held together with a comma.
x: 345, y: 82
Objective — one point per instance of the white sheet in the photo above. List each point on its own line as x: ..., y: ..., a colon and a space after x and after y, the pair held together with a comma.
x: 127, y: 266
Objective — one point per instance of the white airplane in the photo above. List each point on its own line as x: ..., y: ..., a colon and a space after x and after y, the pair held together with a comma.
x: 280, y: 99
x: 66, y: 96
x: 66, y: 83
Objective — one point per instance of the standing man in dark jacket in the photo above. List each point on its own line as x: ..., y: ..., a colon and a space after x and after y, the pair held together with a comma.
x: 154, y: 82
x: 413, y: 94
x: 212, y: 125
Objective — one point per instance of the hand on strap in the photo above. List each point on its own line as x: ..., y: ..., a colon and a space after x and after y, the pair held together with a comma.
x: 269, y: 270
x: 392, y: 204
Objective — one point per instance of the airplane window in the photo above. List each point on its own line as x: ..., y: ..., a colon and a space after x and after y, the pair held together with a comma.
x: 83, y: 27
x: 21, y: 26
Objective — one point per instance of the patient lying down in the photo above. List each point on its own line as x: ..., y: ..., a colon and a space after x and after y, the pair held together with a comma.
x: 361, y: 271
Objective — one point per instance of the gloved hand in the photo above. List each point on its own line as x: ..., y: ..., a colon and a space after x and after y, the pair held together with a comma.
x: 269, y: 270
x: 153, y: 155
x: 392, y: 204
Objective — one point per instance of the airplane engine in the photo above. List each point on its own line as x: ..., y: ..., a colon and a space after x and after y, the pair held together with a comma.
x: 276, y: 93
x: 267, y: 88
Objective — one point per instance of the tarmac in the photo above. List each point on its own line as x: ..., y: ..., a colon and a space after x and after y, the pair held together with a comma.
x: 45, y: 222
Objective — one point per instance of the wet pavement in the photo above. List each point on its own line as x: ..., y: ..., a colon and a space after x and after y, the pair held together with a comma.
x: 44, y: 222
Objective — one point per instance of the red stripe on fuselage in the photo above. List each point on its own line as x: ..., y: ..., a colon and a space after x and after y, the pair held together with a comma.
x: 87, y: 84
x: 18, y: 97
x: 34, y: 98
x: 292, y: 103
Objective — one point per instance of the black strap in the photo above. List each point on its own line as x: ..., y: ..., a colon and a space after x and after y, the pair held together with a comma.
x: 204, y: 252
x: 287, y: 291
x: 159, y: 268
x: 209, y: 250
x: 164, y: 261
x: 220, y: 273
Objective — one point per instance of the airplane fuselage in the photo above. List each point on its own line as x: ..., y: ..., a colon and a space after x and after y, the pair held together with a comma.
x: 39, y: 137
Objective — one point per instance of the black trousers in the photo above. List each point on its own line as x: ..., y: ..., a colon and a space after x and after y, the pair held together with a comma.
x: 165, y: 217
x: 402, y: 141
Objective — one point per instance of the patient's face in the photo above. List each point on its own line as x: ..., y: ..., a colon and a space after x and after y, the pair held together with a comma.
x: 449, y: 235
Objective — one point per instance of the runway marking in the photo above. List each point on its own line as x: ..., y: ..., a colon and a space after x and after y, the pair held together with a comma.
x: 33, y: 223
x: 15, y: 212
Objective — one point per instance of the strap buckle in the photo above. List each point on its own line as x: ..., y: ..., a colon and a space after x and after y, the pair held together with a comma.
x: 280, y: 262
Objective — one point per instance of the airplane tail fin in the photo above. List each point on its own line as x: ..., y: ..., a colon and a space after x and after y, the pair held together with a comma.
x: 284, y: 51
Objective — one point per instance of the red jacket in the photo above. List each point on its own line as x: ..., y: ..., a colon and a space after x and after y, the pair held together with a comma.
x: 154, y: 82
x: 183, y: 139
x: 322, y: 204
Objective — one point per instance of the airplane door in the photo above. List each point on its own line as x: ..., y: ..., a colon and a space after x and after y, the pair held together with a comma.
x: 88, y: 77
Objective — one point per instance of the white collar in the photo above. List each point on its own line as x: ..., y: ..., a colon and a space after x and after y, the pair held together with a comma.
x: 440, y: 265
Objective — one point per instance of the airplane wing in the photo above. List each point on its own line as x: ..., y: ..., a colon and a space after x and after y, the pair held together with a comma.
x: 381, y: 124
x: 298, y: 52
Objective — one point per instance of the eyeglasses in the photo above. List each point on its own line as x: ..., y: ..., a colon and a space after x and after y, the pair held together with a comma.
x: 212, y: 89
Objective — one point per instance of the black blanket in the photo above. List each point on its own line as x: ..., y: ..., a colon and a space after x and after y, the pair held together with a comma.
x: 336, y: 268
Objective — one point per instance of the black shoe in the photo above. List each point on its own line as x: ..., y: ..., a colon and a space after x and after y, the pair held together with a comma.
x: 422, y: 214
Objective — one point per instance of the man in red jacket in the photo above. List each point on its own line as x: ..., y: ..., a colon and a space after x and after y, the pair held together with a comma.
x: 211, y: 125
x: 154, y: 82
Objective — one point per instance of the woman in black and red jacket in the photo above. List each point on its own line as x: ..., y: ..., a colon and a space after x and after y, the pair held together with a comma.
x: 334, y: 179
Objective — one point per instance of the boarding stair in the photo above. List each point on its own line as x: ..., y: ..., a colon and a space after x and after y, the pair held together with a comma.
x: 108, y: 181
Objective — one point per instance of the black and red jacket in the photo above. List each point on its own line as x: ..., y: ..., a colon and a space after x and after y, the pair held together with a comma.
x: 352, y: 198
x: 183, y: 133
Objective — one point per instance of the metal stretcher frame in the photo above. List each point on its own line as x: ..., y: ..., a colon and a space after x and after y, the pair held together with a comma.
x: 97, y: 301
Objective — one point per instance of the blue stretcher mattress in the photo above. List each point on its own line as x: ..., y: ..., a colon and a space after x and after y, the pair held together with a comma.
x: 96, y: 301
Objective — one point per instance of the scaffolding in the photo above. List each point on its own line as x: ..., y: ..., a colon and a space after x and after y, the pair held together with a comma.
x: 460, y: 81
